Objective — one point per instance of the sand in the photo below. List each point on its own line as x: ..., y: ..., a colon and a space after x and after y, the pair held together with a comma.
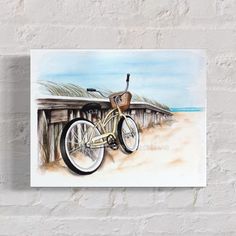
x: 169, y: 155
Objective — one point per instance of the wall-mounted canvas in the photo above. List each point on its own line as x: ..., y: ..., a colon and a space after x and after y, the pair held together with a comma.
x: 119, y: 118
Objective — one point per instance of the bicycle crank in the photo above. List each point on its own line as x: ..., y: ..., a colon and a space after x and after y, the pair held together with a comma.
x: 112, y: 143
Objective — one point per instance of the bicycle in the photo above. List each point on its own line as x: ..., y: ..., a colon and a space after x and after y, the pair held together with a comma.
x: 83, y: 142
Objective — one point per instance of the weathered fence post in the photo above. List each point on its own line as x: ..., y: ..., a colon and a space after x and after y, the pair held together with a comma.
x: 43, y: 137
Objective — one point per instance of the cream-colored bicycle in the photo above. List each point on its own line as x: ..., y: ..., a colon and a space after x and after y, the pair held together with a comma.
x: 83, y: 142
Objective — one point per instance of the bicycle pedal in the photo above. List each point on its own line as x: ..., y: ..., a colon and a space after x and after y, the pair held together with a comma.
x: 113, y: 146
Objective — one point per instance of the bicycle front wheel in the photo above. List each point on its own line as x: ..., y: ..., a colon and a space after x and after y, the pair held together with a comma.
x: 128, y: 134
x: 75, y: 147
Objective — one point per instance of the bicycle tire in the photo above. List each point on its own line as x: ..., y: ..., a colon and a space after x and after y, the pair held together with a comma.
x: 121, y: 140
x: 64, y: 155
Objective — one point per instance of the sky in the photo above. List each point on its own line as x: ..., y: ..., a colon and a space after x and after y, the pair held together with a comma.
x: 172, y: 77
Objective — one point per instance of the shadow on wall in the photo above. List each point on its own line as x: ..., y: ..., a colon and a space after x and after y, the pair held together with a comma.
x: 15, y: 122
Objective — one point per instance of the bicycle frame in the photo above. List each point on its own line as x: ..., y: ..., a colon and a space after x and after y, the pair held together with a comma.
x: 102, y: 124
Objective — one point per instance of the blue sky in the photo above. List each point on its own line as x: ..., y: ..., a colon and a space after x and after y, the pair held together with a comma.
x: 173, y: 77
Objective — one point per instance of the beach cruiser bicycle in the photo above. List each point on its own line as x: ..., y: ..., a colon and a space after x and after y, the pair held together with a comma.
x: 83, y: 142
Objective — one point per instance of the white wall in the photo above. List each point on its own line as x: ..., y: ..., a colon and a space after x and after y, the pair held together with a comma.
x: 26, y: 24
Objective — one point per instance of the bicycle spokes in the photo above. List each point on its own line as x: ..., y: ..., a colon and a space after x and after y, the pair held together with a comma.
x: 78, y: 142
x: 129, y: 135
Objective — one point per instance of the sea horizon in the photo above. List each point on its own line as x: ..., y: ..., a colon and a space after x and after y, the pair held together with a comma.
x: 186, y: 109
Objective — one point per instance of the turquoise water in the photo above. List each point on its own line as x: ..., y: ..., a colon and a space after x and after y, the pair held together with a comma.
x: 186, y: 109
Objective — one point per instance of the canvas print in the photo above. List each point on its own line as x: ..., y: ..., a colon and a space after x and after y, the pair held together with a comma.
x: 118, y: 118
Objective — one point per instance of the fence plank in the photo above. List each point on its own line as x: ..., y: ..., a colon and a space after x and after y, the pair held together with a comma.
x: 51, y: 143
x: 58, y: 116
x: 43, y: 137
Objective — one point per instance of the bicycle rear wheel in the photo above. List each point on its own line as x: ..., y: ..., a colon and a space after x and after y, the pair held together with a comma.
x: 74, y: 144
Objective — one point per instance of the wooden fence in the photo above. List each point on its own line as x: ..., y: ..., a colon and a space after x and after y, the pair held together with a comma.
x: 54, y: 113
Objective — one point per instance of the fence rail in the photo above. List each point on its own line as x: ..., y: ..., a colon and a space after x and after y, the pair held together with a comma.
x: 55, y: 112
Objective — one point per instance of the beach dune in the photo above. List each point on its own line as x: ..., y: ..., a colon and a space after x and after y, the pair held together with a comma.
x: 172, y: 154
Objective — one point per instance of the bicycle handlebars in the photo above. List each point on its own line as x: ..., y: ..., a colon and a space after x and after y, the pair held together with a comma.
x: 127, y: 82
x: 127, y: 78
x: 126, y: 89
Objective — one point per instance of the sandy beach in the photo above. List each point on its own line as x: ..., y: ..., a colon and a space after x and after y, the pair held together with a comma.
x: 172, y: 154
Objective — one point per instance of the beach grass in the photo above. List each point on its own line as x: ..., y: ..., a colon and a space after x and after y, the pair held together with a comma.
x: 73, y: 90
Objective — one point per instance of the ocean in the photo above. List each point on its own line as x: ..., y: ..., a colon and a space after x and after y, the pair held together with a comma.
x: 187, y: 109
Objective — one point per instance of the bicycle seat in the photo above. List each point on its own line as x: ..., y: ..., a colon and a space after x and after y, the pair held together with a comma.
x: 91, y: 108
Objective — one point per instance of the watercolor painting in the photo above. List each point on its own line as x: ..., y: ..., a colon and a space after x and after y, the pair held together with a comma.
x: 118, y: 118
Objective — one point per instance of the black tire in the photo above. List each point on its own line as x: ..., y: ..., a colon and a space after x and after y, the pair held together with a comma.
x: 119, y: 132
x: 64, y: 155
